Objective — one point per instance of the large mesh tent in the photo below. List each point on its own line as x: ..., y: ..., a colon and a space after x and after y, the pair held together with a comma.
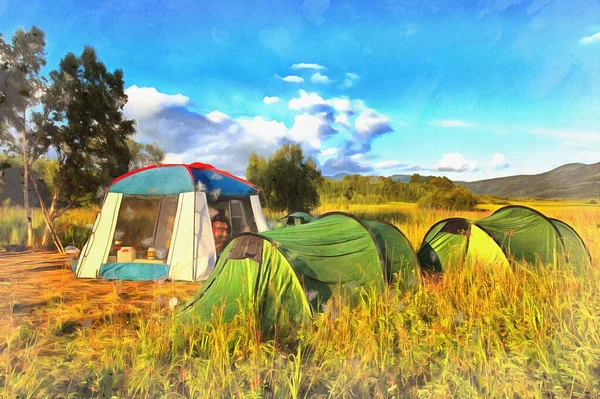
x: 155, y: 223
x: 295, y: 219
x: 285, y: 274
x: 511, y: 233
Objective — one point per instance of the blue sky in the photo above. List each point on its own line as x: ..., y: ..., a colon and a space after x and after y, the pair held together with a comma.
x: 471, y: 90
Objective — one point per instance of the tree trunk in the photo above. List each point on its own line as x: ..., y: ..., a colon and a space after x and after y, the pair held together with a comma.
x: 49, y: 217
x: 51, y: 212
x: 26, y: 181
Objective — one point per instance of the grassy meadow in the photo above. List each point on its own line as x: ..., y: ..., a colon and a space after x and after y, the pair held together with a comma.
x: 478, y: 331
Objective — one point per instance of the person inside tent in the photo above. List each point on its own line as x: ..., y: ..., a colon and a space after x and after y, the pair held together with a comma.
x: 221, y: 229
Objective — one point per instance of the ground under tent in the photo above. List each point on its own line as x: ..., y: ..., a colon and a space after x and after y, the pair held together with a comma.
x: 511, y: 233
x: 284, y: 275
x: 157, y: 223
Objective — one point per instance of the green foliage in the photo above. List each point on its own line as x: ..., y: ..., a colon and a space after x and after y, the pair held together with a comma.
x: 289, y: 182
x: 20, y: 65
x: 416, y: 178
x: 83, y: 121
x: 144, y: 154
x: 457, y: 198
x: 429, y: 192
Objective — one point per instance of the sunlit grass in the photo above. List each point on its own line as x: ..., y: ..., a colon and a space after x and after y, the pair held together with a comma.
x: 477, y: 331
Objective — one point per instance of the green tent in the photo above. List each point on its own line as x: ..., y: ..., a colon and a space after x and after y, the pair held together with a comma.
x: 513, y: 232
x: 284, y: 275
x: 295, y: 219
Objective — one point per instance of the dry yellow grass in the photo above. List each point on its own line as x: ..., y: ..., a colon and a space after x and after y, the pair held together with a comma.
x: 478, y: 331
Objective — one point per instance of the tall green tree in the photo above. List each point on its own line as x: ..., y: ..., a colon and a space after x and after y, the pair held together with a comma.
x: 83, y: 121
x: 20, y: 89
x: 144, y: 154
x: 289, y: 181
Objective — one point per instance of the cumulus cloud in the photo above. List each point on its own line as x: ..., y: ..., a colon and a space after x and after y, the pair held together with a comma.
x: 306, y: 101
x: 318, y: 77
x: 310, y: 129
x: 451, y: 123
x: 271, y: 100
x: 595, y: 38
x: 370, y: 123
x: 291, y: 78
x: 304, y: 65
x: 145, y: 101
x: 454, y: 162
x: 217, y: 137
x: 499, y: 162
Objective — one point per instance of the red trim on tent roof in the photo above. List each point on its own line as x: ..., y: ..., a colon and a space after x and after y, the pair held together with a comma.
x: 189, y: 167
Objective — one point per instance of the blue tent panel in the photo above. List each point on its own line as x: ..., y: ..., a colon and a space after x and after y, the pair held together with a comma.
x: 215, y: 183
x: 157, y: 180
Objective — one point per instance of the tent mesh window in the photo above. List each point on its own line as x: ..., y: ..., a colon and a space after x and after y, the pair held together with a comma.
x: 145, y: 221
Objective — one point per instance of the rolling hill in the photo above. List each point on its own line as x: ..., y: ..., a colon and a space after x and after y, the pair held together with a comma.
x: 574, y: 180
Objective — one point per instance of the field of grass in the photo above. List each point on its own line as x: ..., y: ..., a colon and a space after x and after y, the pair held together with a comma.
x: 477, y: 331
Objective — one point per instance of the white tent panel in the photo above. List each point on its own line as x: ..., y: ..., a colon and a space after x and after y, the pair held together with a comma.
x: 95, y: 252
x: 181, y: 253
x: 259, y: 216
x: 205, y: 254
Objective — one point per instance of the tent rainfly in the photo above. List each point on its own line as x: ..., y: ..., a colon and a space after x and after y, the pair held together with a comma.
x: 155, y: 223
x: 511, y: 233
x: 295, y: 219
x: 283, y: 275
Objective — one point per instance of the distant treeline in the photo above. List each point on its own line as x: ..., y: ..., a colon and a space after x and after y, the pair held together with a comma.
x: 427, y: 191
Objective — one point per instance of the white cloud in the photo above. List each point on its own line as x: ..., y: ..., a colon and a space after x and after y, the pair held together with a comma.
x: 318, y: 77
x: 499, y: 161
x: 583, y: 136
x: 451, y: 123
x: 343, y: 120
x: 217, y: 117
x: 590, y: 39
x: 305, y: 101
x: 387, y: 164
x: 304, y: 65
x: 370, y: 123
x: 146, y: 101
x: 329, y: 151
x: 352, y: 75
x: 309, y: 129
x: 291, y: 79
x: 271, y: 100
x: 454, y: 162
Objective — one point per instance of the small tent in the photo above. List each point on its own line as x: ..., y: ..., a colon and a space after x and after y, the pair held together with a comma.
x: 285, y: 274
x: 513, y: 232
x: 155, y: 223
x: 295, y: 219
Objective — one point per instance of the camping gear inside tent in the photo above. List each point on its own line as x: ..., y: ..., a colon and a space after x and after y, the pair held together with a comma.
x: 284, y: 274
x: 513, y: 232
x: 295, y: 219
x: 155, y: 223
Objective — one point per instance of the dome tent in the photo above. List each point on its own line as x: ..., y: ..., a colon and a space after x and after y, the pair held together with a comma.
x: 155, y: 223
x: 295, y: 219
x: 512, y: 232
x: 285, y: 274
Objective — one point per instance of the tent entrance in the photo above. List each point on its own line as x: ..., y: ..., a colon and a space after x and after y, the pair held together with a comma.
x: 145, y: 227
